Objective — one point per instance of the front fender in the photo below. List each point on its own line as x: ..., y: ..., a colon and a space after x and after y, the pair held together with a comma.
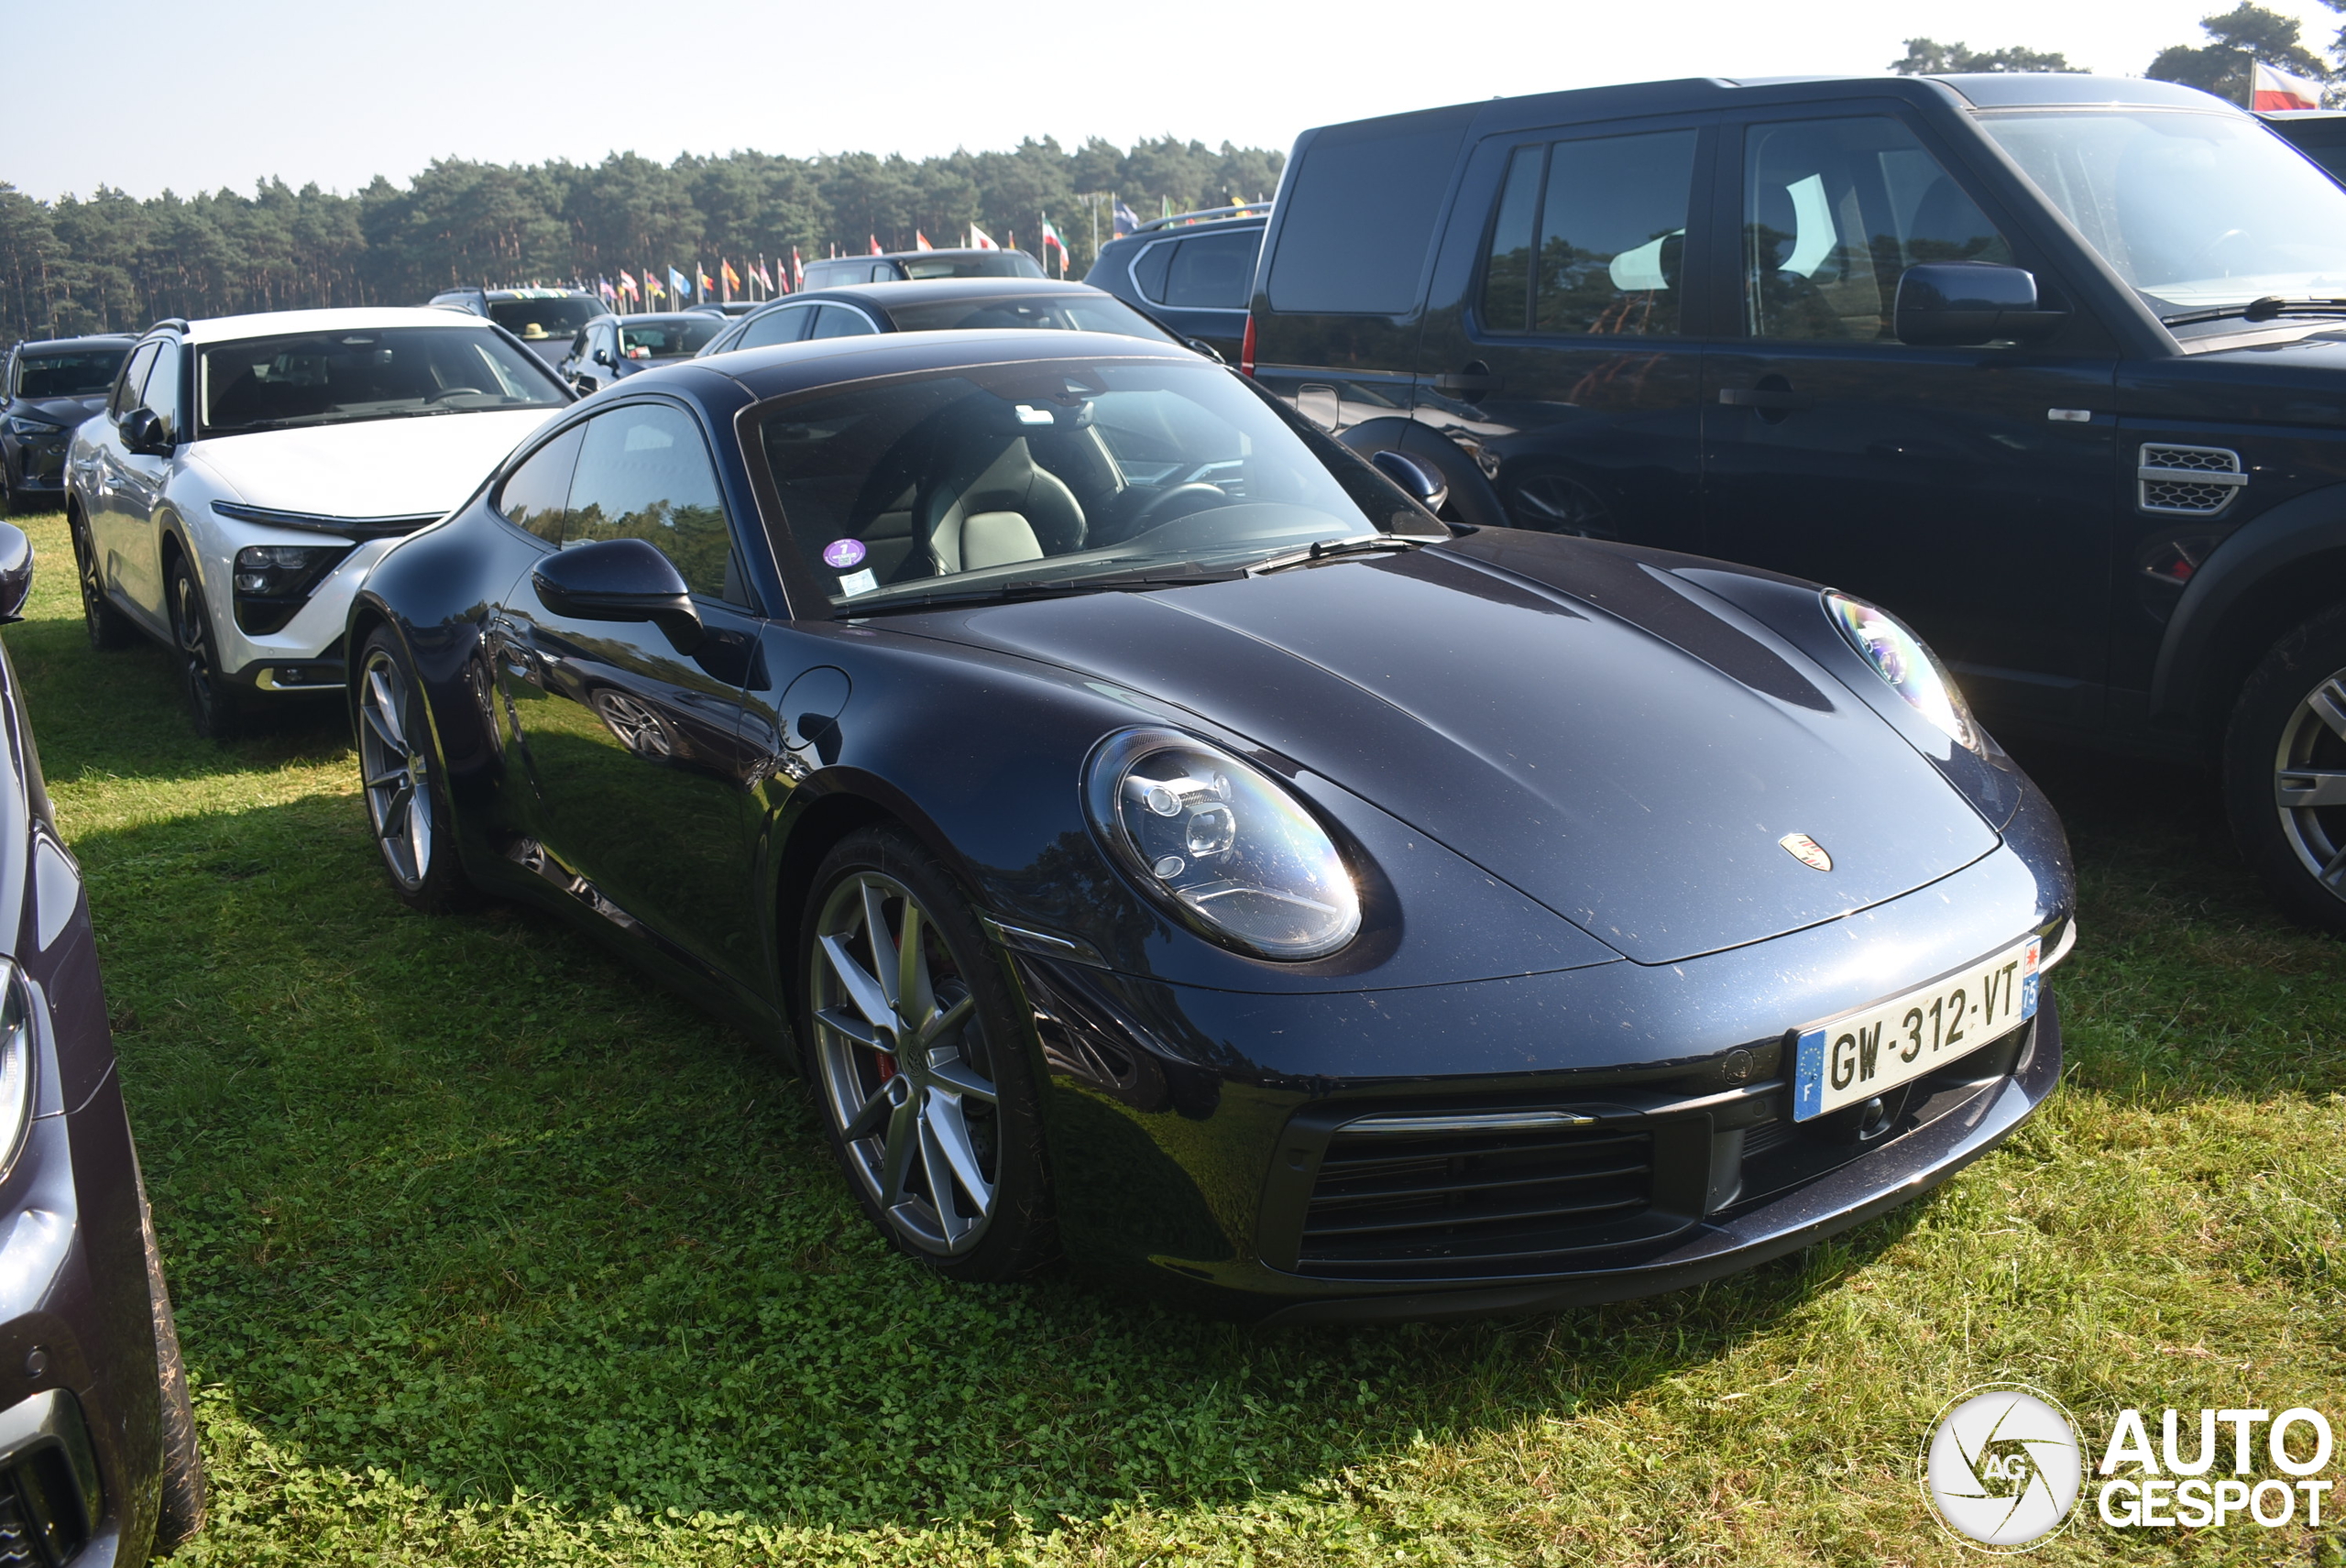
x: 2264, y: 578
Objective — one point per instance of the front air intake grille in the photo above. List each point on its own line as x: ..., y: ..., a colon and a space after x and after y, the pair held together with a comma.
x: 1420, y: 1197
x: 2188, y: 481
x: 42, y: 1521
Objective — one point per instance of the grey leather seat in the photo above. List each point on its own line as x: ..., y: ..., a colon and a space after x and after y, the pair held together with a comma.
x: 1005, y: 509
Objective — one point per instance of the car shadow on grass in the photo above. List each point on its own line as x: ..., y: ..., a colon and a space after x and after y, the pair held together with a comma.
x: 468, y: 1200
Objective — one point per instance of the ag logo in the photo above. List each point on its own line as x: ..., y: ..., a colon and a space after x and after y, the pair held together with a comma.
x: 2002, y: 1468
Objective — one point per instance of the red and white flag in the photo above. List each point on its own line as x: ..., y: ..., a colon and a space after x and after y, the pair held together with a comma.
x: 797, y: 270
x: 875, y: 245
x: 981, y: 240
x: 2277, y: 89
x: 920, y: 241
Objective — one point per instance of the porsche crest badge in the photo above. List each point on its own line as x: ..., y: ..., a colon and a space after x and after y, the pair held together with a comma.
x: 1806, y: 851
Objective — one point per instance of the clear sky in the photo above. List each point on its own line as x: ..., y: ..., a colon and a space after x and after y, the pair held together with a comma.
x: 142, y: 95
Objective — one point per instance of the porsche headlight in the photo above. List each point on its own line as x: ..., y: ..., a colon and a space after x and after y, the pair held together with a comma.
x: 15, y: 1063
x: 1902, y: 658
x: 1221, y: 846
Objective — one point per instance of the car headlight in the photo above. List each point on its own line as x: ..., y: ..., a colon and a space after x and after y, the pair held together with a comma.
x: 1220, y: 846
x: 275, y: 571
x: 15, y: 1063
x: 1903, y: 659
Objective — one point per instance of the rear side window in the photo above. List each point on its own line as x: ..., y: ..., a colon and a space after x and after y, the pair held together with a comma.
x: 839, y: 320
x: 1213, y: 272
x: 1360, y: 217
x: 1590, y: 237
x: 1148, y: 269
x: 787, y: 325
x: 535, y: 494
x: 133, y: 378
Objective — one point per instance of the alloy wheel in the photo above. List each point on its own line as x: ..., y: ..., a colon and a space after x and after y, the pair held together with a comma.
x: 397, y: 774
x: 2309, y: 782
x: 637, y: 726
x: 906, y: 1072
x: 1552, y: 503
x: 193, y: 628
x: 85, y: 568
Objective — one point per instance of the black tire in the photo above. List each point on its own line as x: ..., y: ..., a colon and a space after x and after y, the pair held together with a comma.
x: 180, y: 1513
x: 2279, y: 734
x: 1002, y: 1140
x: 213, y: 702
x: 404, y: 784
x: 109, y: 628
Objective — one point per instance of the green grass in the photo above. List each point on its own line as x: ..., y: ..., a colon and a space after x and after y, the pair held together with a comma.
x: 486, y: 1251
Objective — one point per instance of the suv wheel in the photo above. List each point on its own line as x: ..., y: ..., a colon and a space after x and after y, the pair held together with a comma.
x: 2285, y: 772
x: 212, y: 700
x: 107, y: 625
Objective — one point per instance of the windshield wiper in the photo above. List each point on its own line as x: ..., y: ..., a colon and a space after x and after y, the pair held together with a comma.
x: 1041, y: 587
x: 2268, y: 308
x: 1336, y: 549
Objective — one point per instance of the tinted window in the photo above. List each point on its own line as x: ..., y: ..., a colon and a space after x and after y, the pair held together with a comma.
x: 535, y: 494
x: 82, y: 374
x: 1360, y: 214
x: 786, y: 325
x: 1148, y: 269
x: 1086, y: 311
x: 333, y: 377
x: 134, y: 379
x: 1507, y: 268
x: 643, y: 472
x: 1612, y: 234
x: 839, y: 320
x: 1834, y: 212
x: 162, y: 390
x: 1213, y: 272
x: 534, y: 321
x: 671, y: 339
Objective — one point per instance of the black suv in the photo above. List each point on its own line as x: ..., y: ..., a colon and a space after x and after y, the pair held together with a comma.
x: 1190, y: 272
x: 2054, y: 367
x: 545, y: 320
x: 2319, y: 134
x: 47, y: 388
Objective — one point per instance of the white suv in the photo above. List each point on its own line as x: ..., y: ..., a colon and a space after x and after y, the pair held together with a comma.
x: 249, y: 469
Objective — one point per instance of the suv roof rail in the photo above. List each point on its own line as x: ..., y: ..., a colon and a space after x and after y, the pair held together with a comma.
x: 1179, y: 220
x: 179, y: 321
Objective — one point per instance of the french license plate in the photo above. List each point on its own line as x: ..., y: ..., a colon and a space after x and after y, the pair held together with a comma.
x: 1851, y: 1059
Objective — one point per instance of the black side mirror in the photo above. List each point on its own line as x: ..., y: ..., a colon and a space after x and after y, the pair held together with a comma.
x: 15, y: 572
x: 603, y: 356
x: 143, y: 433
x: 1957, y: 304
x: 1415, y: 477
x: 620, y: 579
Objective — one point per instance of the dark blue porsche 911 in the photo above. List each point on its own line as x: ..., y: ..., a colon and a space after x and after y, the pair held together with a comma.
x: 1159, y: 839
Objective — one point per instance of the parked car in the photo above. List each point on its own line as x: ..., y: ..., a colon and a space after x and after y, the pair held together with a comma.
x: 940, y: 306
x: 249, y: 469
x: 897, y: 266
x: 545, y: 319
x: 2319, y: 134
x: 98, y: 1457
x: 611, y: 347
x: 2049, y: 365
x: 47, y: 388
x: 1193, y: 271
x: 1149, y: 827
x: 724, y: 307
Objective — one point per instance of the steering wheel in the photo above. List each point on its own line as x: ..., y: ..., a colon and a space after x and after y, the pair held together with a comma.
x: 455, y: 393
x: 1196, y: 489
x: 2197, y: 255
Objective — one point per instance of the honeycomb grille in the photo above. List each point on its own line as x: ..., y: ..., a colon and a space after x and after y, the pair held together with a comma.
x: 2191, y: 481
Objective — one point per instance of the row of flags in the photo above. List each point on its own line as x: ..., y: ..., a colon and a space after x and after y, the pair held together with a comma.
x: 701, y: 288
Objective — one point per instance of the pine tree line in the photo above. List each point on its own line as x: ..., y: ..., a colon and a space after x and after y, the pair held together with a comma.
x: 112, y: 262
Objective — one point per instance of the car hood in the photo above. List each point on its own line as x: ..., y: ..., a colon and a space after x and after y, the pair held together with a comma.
x: 390, y: 467
x: 67, y: 411
x: 1617, y: 744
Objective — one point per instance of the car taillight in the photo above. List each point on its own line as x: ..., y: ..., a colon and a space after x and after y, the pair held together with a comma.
x: 1246, y: 348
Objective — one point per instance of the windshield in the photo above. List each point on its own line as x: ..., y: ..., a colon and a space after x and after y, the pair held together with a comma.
x: 535, y: 321
x: 1090, y: 312
x: 2197, y: 211
x: 389, y: 373
x: 1005, y: 477
x: 86, y: 373
x: 973, y: 264
x: 668, y: 339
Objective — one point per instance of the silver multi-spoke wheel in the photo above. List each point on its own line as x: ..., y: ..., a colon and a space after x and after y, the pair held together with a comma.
x: 2310, y: 782
x: 397, y: 772
x: 904, y: 1069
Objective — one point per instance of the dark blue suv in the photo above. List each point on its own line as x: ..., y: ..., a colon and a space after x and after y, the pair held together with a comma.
x: 2054, y: 367
x: 1190, y: 272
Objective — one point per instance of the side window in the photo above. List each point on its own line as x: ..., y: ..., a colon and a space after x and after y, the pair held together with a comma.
x: 1596, y: 247
x: 1357, y: 226
x: 535, y: 494
x: 1149, y: 268
x: 786, y: 325
x: 1213, y: 272
x: 162, y: 390
x: 841, y: 321
x: 643, y: 472
x: 134, y: 380
x: 1834, y: 212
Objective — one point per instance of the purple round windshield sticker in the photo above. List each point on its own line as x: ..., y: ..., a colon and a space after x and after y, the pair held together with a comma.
x: 843, y: 552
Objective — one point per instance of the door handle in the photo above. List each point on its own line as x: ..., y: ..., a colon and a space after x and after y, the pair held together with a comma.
x: 1762, y: 397
x: 1474, y: 379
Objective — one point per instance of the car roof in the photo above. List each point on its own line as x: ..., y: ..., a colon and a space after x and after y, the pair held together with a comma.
x: 94, y: 340
x: 287, y: 323
x: 919, y: 291
x: 665, y: 318
x: 785, y: 368
x: 932, y: 250
x: 2017, y: 89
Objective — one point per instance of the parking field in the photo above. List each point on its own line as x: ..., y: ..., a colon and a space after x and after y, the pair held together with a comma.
x: 488, y: 1252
